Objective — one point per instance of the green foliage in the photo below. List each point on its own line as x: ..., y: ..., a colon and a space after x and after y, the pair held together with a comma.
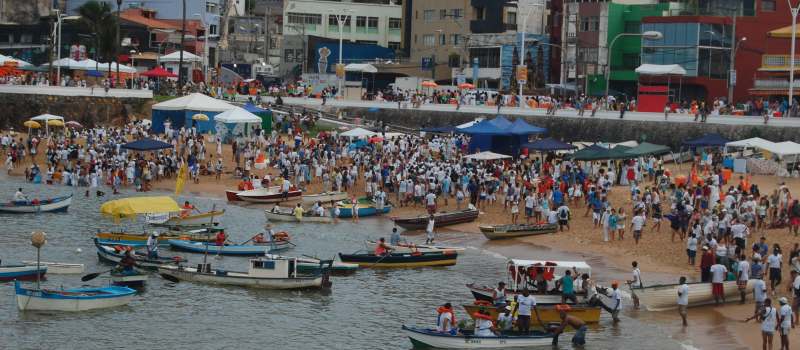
x: 100, y: 21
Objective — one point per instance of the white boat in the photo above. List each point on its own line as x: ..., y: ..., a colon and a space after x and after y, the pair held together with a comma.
x: 430, y: 338
x: 325, y: 197
x: 57, y: 268
x: 664, y: 297
x: 78, y: 299
x: 285, y: 214
x: 310, y: 265
x: 210, y: 218
x: 37, y: 206
x: 265, y: 273
x: 410, y: 247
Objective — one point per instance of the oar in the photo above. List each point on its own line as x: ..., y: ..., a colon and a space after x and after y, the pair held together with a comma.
x: 248, y: 241
x: 170, y: 278
x: 381, y: 259
x: 92, y: 276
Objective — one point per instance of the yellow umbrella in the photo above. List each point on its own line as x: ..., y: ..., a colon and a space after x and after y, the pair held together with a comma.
x: 200, y: 117
x: 55, y: 122
x: 32, y: 124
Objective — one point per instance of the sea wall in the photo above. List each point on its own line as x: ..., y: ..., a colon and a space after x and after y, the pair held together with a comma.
x: 16, y: 108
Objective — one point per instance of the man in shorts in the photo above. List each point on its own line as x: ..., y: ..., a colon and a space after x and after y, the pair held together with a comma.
x: 718, y: 273
x: 683, y: 299
x: 742, y: 276
x: 785, y: 322
x: 568, y: 320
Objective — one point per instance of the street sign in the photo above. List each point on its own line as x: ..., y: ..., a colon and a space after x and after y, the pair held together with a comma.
x: 427, y: 63
x: 733, y: 77
x: 340, y: 70
x: 522, y: 74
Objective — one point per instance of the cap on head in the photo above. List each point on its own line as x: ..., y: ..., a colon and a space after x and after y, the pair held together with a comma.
x: 783, y: 301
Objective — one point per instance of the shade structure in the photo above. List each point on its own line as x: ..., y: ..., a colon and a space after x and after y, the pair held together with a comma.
x: 146, y: 145
x: 122, y: 68
x: 65, y: 62
x: 646, y: 148
x: 253, y: 108
x: 20, y: 63
x: 88, y: 64
x: 32, y: 124
x: 429, y: 84
x: 501, y: 122
x: 200, y: 117
x: 707, y: 140
x: 357, y: 133
x: 176, y: 57
x: 130, y: 207
x: 264, y: 114
x: 360, y: 67
x: 45, y: 117
x: 521, y: 127
x: 159, y: 72
x: 484, y: 128
x: 753, y: 142
x: 596, y: 152
x: 487, y: 155
x: 661, y: 69
x: 194, y: 102
x: 74, y: 124
x: 55, y: 122
x: 237, y: 115
x: 548, y: 144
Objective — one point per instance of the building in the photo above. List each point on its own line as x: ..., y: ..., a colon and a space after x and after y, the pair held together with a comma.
x: 25, y: 29
x: 272, y: 12
x: 438, y: 38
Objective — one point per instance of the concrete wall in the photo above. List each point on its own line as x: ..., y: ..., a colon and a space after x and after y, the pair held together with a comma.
x: 89, y: 111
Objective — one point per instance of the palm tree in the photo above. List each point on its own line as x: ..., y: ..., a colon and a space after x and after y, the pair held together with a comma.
x: 98, y: 18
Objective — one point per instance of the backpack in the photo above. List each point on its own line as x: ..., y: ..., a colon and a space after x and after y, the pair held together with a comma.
x: 563, y: 214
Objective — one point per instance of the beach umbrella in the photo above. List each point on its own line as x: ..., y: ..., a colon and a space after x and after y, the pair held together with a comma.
x: 55, y: 122
x: 74, y: 124
x: 32, y: 124
x: 158, y: 72
x: 429, y: 84
x: 466, y: 86
x: 200, y: 117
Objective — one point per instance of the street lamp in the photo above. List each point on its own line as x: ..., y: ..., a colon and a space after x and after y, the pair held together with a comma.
x: 341, y: 19
x: 731, y: 73
x: 522, y: 45
x: 117, y: 44
x: 649, y: 35
x: 794, y: 10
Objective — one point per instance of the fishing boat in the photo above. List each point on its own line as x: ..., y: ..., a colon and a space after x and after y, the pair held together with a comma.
x: 266, y: 273
x: 518, y: 230
x: 307, y: 264
x: 140, y: 239
x: 113, y: 255
x: 285, y: 214
x: 57, y: 268
x: 263, y: 195
x: 324, y: 197
x: 21, y: 272
x: 37, y: 205
x: 132, y: 279
x: 548, y: 312
x: 210, y: 218
x: 411, y: 247
x: 523, y: 274
x: 78, y: 299
x: 662, y: 297
x: 431, y: 338
x: 440, y: 219
x: 346, y: 210
x: 240, y: 250
x: 400, y: 260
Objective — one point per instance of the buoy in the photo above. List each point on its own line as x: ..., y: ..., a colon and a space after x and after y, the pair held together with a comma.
x: 78, y: 251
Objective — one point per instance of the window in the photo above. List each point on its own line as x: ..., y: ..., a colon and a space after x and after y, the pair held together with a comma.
x: 633, y: 27
x: 26, y: 38
x: 211, y: 7
x: 361, y: 21
x: 394, y: 45
x: 428, y: 15
x: 457, y: 13
x: 153, y: 40
x: 455, y: 39
x: 415, y: 38
x: 442, y: 14
x: 488, y: 57
x: 454, y: 60
x: 511, y: 18
x: 480, y: 13
x: 768, y: 5
x: 429, y: 40
x: 212, y: 29
x: 395, y: 23
x: 442, y: 39
x: 305, y: 18
x: 372, y: 22
x: 367, y: 42
x: 590, y: 24
x: 288, y: 55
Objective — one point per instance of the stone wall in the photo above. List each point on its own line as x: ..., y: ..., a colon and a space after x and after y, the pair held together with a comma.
x: 588, y: 129
x: 17, y: 108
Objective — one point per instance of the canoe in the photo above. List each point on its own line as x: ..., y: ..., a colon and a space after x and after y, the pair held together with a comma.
x: 265, y: 273
x: 79, y: 299
x: 285, y: 214
x: 548, y: 313
x: 37, y: 206
x: 346, y: 210
x: 664, y: 297
x: 446, y: 258
x: 324, y: 197
x: 312, y: 265
x: 485, y: 293
x: 519, y: 230
x: 262, y: 195
x: 240, y: 250
x: 21, y: 272
x: 56, y: 268
x: 410, y: 247
x: 140, y: 239
x: 210, y: 218
x: 430, y: 338
x: 441, y: 219
x: 109, y: 254
x: 132, y: 280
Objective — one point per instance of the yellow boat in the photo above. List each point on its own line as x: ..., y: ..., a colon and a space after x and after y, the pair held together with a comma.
x: 548, y: 313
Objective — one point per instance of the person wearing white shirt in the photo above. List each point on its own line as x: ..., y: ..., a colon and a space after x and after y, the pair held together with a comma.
x: 636, y: 282
x: 526, y: 303
x: 718, y: 272
x: 759, y: 295
x: 505, y: 321
x: 637, y: 224
x: 774, y: 263
x: 19, y: 196
x: 445, y: 321
x: 683, y: 299
x: 691, y: 248
x: 739, y: 231
x: 786, y: 322
x: 742, y: 276
x: 769, y: 322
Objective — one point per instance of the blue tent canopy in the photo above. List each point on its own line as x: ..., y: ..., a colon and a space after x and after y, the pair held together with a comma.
x: 521, y: 127
x: 707, y: 140
x: 548, y: 144
x: 253, y: 108
x: 485, y: 128
x: 501, y: 122
x: 146, y: 145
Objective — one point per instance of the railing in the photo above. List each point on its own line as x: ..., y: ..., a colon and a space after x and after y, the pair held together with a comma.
x: 778, y: 61
x: 773, y: 84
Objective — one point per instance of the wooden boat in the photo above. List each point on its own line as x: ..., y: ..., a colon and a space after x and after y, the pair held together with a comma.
x: 522, y: 274
x: 663, y: 297
x: 430, y: 338
x: 346, y: 210
x: 441, y: 219
x: 140, y: 239
x: 79, y: 299
x: 548, y: 313
x: 210, y: 218
x: 518, y: 230
x: 136, y: 279
x: 484, y: 293
x: 285, y: 214
x: 410, y: 247
x: 56, y: 268
x: 37, y: 206
x: 308, y: 264
x: 263, y: 195
x: 240, y: 250
x: 324, y: 197
x: 21, y: 272
x: 110, y: 254
x: 445, y: 258
x: 266, y: 273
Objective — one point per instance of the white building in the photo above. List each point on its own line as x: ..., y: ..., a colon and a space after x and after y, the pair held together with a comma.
x: 368, y: 23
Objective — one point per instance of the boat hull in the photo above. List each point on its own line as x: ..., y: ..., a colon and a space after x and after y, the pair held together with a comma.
x: 440, y: 219
x: 199, y: 220
x: 55, y: 268
x: 547, y: 312
x: 347, y: 211
x: 21, y: 272
x: 400, y: 260
x: 140, y: 240
x: 325, y: 197
x: 202, y: 248
x: 59, y: 204
x: 262, y: 195
x: 511, y: 231
x: 74, y: 300
x: 661, y: 298
x: 288, y: 217
x: 109, y: 255
x: 240, y: 279
x: 410, y: 248
x: 485, y: 293
x: 432, y: 339
x: 133, y: 281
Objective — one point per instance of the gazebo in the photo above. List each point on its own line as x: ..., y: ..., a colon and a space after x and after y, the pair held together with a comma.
x: 653, y: 98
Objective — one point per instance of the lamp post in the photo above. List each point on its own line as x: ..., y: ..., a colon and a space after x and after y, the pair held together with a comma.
x: 522, y: 44
x: 795, y: 10
x: 58, y: 47
x: 133, y: 65
x: 732, y: 73
x: 341, y: 19
x: 650, y: 35
x: 117, y: 44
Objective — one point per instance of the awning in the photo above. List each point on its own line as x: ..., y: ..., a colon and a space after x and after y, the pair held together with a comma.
x: 707, y: 140
x: 360, y: 67
x: 661, y: 69
x: 130, y: 207
x: 194, y: 102
x: 46, y: 117
x: 357, y: 133
x: 176, y: 57
x: 783, y: 32
x: 646, y: 148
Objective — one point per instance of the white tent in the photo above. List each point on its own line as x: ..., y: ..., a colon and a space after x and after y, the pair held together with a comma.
x: 755, y: 142
x: 176, y: 57
x: 237, y: 115
x: 20, y: 63
x: 122, y: 68
x: 194, y: 102
x: 661, y: 69
x: 487, y: 155
x: 45, y: 117
x: 786, y: 148
x: 89, y: 64
x: 66, y: 62
x: 357, y: 133
x: 360, y: 67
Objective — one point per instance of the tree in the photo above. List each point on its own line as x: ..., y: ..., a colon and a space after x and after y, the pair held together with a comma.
x: 98, y: 18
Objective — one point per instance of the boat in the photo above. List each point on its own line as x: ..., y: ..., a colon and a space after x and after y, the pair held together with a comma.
x: 346, y: 210
x: 548, y: 312
x: 521, y: 274
x: 411, y: 247
x: 518, y: 230
x: 662, y: 297
x: 78, y: 299
x: 266, y: 273
x: 325, y: 197
x: 140, y: 239
x: 308, y: 264
x: 444, y: 258
x: 37, y: 205
x: 431, y: 338
x: 285, y: 214
x: 113, y: 255
x: 133, y: 279
x: 240, y: 250
x: 263, y: 195
x: 440, y: 219
x: 56, y: 268
x: 210, y: 218
x: 21, y: 272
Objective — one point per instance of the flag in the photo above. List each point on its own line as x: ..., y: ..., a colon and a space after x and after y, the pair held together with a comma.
x: 181, y: 180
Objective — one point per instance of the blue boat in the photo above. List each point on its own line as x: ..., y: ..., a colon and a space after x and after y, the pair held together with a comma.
x: 346, y: 211
x: 78, y: 299
x: 240, y: 250
x: 21, y: 272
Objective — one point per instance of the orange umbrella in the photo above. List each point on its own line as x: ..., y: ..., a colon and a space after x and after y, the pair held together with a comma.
x: 466, y: 86
x: 429, y: 84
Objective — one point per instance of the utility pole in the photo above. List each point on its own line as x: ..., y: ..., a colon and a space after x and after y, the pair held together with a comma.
x: 795, y: 11
x: 267, y: 34
x: 58, y: 49
x: 183, y: 36
x: 732, y: 70
x: 116, y: 47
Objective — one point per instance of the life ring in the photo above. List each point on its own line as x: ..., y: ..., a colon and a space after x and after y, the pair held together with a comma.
x: 281, y: 236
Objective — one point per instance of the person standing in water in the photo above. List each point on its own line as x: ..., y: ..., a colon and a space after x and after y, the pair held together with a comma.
x: 429, y: 230
x: 683, y: 299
